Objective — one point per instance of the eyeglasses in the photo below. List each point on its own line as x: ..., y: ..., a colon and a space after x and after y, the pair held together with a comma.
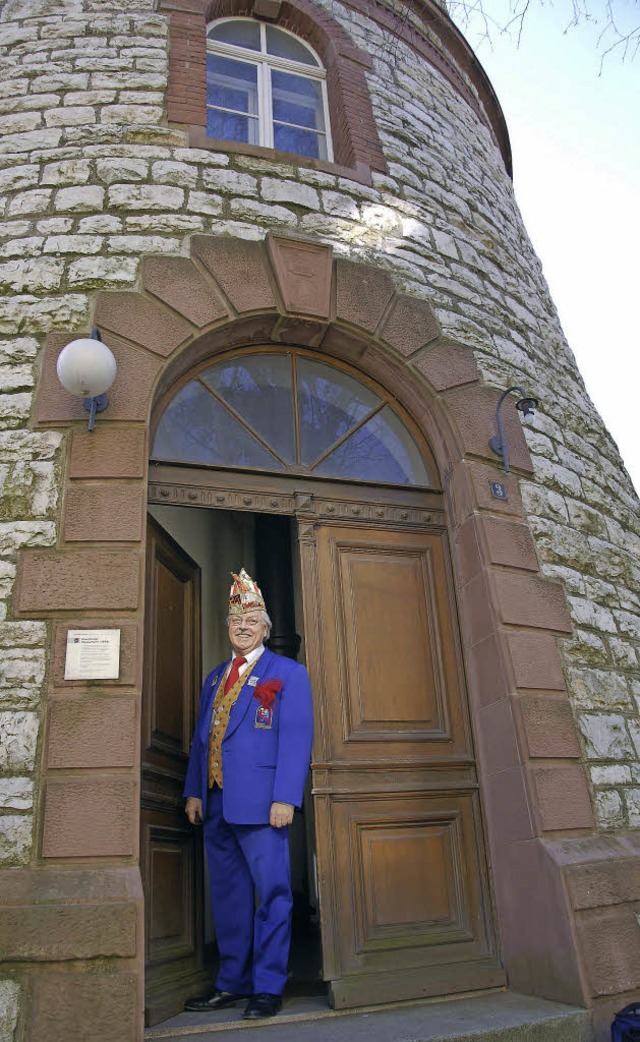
x: 235, y: 623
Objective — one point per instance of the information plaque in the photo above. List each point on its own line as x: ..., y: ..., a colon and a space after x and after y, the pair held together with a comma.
x: 92, y: 655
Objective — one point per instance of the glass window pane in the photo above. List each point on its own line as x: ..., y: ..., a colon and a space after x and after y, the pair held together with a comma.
x: 285, y: 46
x: 232, y: 84
x: 330, y: 403
x: 381, y: 450
x: 300, y: 142
x: 230, y: 127
x: 195, y: 428
x: 297, y: 100
x: 241, y: 32
x: 259, y: 388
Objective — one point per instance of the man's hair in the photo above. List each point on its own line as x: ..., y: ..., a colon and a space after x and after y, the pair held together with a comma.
x: 265, y: 618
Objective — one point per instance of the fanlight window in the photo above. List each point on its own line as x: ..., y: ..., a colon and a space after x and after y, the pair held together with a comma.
x: 266, y: 87
x: 291, y: 414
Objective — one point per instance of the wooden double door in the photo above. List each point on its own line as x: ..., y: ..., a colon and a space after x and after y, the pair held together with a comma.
x: 402, y: 878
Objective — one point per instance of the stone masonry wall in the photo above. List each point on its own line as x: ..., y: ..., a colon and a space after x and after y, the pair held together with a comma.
x: 93, y: 178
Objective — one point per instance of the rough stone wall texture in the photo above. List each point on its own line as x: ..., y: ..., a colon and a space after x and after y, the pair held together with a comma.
x: 93, y: 177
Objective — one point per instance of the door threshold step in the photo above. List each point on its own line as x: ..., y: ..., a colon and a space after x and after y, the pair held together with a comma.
x: 500, y: 1016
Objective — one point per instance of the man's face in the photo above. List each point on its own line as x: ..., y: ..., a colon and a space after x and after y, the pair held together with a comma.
x: 246, y: 632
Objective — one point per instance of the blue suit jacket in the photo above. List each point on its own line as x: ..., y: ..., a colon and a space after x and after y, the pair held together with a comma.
x: 260, y: 764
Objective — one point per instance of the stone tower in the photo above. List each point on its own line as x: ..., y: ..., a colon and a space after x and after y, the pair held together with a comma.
x: 391, y: 251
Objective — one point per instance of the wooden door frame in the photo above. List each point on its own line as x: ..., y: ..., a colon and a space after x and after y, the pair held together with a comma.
x: 330, y: 503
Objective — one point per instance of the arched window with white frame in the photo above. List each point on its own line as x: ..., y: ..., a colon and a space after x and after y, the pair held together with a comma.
x: 266, y: 87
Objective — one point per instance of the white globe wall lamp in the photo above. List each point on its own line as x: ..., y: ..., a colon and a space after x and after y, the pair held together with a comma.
x: 526, y: 406
x: 86, y: 368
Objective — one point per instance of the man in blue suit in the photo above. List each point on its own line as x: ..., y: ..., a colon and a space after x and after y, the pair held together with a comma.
x: 247, y: 770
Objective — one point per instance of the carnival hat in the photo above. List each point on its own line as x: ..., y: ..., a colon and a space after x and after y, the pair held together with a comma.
x: 245, y: 595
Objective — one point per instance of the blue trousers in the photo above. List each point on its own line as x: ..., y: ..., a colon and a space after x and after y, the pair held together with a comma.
x: 250, y: 883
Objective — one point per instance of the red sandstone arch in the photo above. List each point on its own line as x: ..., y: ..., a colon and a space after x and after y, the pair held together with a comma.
x: 231, y: 292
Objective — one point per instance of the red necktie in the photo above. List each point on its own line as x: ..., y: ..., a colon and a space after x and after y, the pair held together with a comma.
x: 234, y: 672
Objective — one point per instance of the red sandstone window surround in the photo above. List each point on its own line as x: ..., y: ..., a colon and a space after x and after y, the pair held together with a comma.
x: 355, y: 138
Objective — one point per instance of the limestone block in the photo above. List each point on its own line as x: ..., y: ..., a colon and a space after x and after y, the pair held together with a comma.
x: 18, y: 535
x: 18, y: 737
x: 146, y: 197
x: 79, y: 199
x: 31, y: 276
x: 7, y: 576
x: 99, y: 224
x: 605, y: 736
x: 70, y: 116
x: 230, y: 181
x: 14, y: 408
x: 66, y: 172
x: 634, y: 730
x: 138, y: 244
x: 609, y: 809
x: 15, y: 838
x: 275, y: 190
x: 55, y: 225
x: 27, y: 634
x: 587, y: 613
x: 29, y: 246
x: 16, y: 377
x: 184, y: 175
x: 115, y: 170
x: 628, y: 623
x: 17, y: 178
x: 101, y: 272
x: 49, y: 139
x: 623, y: 654
x: 196, y: 155
x: 599, y: 688
x: 28, y: 488
x: 73, y: 244
x: 22, y: 445
x: 205, y: 202
x: 252, y: 210
x: 89, y: 97
x: 9, y: 1008
x: 340, y: 205
x: 19, y: 122
x: 131, y: 114
x: 16, y: 794
x: 128, y: 80
x: 632, y: 800
x: 34, y: 201
x: 166, y: 223
x: 587, y: 649
x: 613, y: 774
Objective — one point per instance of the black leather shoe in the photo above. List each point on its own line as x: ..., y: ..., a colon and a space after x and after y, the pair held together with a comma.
x: 262, y: 1005
x: 216, y: 1000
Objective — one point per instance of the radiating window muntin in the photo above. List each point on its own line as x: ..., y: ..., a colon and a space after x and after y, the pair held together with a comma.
x: 287, y: 412
x: 266, y: 87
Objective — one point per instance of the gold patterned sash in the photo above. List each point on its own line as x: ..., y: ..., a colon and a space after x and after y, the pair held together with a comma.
x: 222, y: 706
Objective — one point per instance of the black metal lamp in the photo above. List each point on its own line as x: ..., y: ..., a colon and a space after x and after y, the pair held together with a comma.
x: 526, y: 406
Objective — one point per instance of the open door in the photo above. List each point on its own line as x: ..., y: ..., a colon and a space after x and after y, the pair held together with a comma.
x: 404, y: 899
x: 170, y: 850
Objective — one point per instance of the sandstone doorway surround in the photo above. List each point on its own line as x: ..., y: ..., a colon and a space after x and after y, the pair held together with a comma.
x: 231, y: 293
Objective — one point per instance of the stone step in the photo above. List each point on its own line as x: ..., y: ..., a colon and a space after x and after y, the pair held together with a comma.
x: 491, y: 1017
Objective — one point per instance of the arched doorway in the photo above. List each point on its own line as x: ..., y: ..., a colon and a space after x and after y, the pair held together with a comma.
x: 397, y: 862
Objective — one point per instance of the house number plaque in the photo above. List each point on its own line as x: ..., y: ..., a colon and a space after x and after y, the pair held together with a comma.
x: 92, y: 655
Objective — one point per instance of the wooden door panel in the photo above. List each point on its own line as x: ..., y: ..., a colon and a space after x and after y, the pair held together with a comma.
x: 170, y: 887
x: 404, y: 896
x: 408, y: 879
x: 170, y: 850
x: 391, y: 655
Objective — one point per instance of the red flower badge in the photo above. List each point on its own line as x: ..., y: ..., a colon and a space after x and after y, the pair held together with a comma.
x: 266, y: 692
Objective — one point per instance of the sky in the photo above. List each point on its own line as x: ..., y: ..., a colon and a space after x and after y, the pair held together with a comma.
x: 574, y: 124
